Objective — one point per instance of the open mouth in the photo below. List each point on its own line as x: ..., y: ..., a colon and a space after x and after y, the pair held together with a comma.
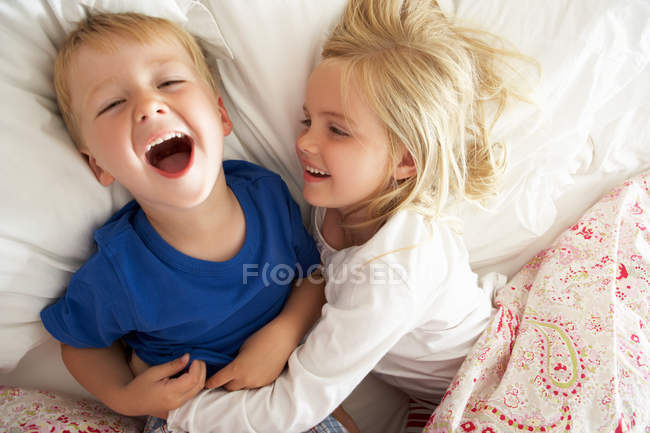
x: 316, y: 172
x: 170, y: 154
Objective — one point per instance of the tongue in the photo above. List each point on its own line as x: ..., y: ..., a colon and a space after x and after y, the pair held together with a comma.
x: 175, y: 162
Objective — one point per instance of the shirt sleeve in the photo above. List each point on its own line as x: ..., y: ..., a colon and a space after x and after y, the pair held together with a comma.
x: 360, y: 324
x: 91, y: 313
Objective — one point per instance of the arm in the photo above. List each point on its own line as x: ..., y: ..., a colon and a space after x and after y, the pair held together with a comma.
x: 360, y: 323
x: 104, y: 372
x: 101, y: 366
x: 83, y: 364
x: 264, y: 354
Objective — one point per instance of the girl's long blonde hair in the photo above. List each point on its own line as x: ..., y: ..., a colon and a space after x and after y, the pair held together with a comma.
x: 438, y: 88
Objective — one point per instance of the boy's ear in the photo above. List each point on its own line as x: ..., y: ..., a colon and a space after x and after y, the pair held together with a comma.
x: 405, y: 168
x: 225, y: 120
x: 103, y: 177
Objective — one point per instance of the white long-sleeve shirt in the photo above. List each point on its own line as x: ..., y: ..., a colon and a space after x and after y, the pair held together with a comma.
x: 405, y: 305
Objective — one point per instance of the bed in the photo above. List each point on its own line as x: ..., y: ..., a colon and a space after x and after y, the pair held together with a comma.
x: 569, y: 348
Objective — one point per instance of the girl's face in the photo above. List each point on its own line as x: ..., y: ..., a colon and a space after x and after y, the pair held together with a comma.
x: 343, y: 150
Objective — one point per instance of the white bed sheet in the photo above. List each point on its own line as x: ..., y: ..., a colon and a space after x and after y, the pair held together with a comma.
x: 591, y: 132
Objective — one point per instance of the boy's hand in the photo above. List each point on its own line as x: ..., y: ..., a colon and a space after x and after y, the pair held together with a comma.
x: 154, y: 392
x: 260, y: 361
x: 137, y: 365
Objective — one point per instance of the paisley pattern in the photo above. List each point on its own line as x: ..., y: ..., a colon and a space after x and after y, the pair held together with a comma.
x: 33, y: 411
x: 568, y: 348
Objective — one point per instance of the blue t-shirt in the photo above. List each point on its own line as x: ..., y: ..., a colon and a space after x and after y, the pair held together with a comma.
x: 165, y: 303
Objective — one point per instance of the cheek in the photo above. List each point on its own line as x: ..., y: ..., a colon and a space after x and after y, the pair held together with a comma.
x: 205, y: 109
x: 371, y: 174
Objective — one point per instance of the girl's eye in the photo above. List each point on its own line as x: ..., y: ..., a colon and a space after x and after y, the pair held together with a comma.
x: 338, y: 131
x: 306, y: 122
x: 110, y: 106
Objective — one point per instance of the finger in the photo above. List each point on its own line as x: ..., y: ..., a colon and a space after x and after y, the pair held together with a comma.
x: 198, y: 370
x: 221, y: 377
x: 234, y: 385
x: 183, y: 388
x: 193, y: 377
x: 196, y: 377
x: 170, y: 368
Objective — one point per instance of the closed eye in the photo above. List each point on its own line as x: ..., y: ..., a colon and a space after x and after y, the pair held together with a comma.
x: 338, y: 131
x: 110, y: 106
x: 170, y: 83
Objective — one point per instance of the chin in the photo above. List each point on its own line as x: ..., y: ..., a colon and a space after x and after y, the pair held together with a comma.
x: 312, y: 200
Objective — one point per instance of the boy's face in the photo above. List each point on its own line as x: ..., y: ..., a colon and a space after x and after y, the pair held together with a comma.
x: 147, y: 118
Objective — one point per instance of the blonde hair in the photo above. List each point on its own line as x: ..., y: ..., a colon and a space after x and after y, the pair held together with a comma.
x: 432, y: 84
x: 100, y: 32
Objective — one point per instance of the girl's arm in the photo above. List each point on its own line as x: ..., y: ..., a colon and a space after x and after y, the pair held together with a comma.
x: 264, y: 354
x: 361, y: 322
x: 104, y: 372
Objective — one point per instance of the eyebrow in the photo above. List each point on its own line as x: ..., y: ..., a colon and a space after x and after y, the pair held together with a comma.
x: 156, y: 62
x: 334, y: 114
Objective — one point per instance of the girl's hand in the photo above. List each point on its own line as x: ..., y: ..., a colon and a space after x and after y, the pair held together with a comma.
x: 154, y: 392
x: 264, y: 354
x: 260, y: 361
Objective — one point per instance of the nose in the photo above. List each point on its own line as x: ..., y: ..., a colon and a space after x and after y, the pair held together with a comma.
x: 306, y: 142
x: 148, y: 106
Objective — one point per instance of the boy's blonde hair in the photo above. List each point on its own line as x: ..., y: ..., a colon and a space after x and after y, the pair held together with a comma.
x: 100, y: 32
x: 431, y: 83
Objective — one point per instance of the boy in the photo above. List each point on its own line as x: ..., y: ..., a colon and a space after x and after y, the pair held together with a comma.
x: 172, y: 272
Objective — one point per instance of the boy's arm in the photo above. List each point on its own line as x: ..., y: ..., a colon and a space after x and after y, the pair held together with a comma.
x: 104, y: 372
x: 264, y: 354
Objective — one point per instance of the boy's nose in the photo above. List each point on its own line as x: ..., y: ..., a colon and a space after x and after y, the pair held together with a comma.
x: 149, y: 107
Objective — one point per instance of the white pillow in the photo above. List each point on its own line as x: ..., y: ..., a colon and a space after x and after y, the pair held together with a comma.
x: 591, y: 118
x: 275, y: 46
x: 51, y: 203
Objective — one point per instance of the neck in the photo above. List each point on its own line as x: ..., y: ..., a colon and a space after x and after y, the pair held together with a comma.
x: 343, y: 236
x: 208, y: 231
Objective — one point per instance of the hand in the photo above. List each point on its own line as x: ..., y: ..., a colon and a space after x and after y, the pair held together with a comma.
x: 344, y: 418
x: 137, y: 365
x: 155, y: 393
x: 260, y: 361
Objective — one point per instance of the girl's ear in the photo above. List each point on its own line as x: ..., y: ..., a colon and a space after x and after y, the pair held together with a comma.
x: 104, y: 177
x: 405, y: 168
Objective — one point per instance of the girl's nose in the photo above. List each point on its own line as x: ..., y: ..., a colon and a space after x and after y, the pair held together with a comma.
x: 306, y: 142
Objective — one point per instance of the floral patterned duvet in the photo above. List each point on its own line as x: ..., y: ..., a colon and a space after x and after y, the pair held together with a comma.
x: 568, y: 348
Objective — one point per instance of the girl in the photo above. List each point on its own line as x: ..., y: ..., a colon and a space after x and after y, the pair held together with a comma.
x: 396, y: 127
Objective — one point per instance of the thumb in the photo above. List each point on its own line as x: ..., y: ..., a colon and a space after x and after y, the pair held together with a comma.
x: 170, y: 368
x: 220, y: 378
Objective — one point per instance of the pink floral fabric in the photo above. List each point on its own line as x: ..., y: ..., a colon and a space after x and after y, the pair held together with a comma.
x: 568, y: 349
x: 33, y: 411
